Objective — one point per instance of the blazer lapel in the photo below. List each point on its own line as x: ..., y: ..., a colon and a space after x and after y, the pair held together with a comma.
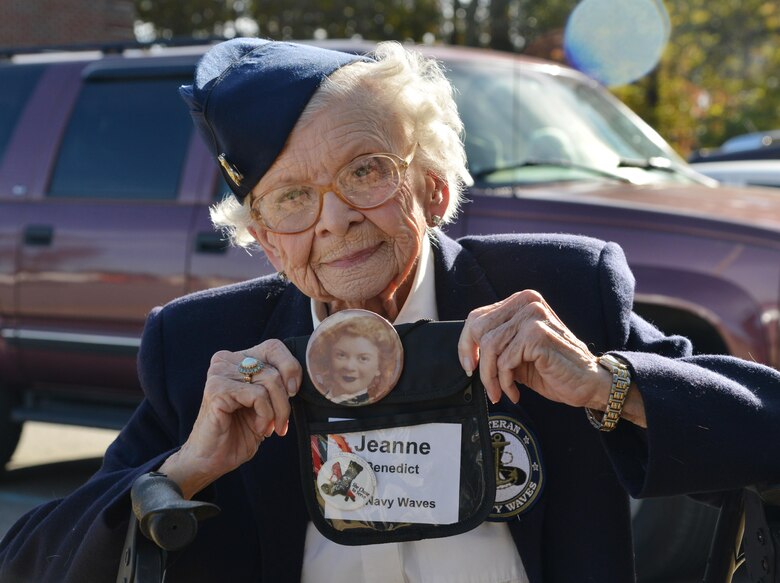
x: 462, y: 286
x: 292, y: 316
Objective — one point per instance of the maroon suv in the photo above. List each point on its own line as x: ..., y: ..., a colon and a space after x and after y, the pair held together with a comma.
x: 105, y: 188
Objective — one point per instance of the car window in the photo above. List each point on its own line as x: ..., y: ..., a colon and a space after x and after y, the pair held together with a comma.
x: 18, y: 83
x: 126, y: 139
x: 527, y: 126
x: 618, y: 131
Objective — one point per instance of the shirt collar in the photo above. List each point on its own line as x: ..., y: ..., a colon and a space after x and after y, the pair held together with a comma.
x: 421, y: 301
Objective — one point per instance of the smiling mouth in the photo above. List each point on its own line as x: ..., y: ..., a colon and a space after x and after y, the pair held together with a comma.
x: 348, y: 379
x: 353, y: 258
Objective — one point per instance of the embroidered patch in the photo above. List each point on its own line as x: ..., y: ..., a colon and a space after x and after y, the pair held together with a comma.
x: 518, y: 466
x: 346, y: 482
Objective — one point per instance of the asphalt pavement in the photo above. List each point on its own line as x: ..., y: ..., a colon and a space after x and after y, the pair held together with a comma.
x: 50, y: 462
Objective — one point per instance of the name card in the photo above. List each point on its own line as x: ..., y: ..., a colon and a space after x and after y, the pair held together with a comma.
x: 417, y: 472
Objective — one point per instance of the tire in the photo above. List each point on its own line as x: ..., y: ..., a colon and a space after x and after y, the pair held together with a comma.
x: 672, y: 538
x: 10, y: 430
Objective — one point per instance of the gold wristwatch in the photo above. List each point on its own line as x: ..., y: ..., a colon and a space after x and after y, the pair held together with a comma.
x: 621, y: 382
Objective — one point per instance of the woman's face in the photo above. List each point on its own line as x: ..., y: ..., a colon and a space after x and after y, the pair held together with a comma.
x: 350, y: 258
x: 354, y: 364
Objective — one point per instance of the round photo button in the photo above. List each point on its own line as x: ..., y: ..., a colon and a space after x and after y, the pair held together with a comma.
x: 354, y: 357
x: 346, y: 482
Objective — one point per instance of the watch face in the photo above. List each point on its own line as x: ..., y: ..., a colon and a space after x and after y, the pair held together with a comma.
x: 354, y: 357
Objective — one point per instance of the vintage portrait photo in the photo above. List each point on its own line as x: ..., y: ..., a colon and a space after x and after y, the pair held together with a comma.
x: 354, y: 357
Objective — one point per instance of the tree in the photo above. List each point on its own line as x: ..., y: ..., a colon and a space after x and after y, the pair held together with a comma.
x: 507, y: 25
x: 198, y: 18
x: 719, y: 75
x: 415, y: 20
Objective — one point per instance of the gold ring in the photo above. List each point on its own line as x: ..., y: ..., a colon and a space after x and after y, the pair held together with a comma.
x: 250, y: 366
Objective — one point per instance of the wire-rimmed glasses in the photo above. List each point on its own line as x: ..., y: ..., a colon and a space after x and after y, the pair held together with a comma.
x: 364, y: 183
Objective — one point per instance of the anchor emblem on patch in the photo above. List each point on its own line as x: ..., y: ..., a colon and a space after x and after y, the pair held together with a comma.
x: 518, y: 467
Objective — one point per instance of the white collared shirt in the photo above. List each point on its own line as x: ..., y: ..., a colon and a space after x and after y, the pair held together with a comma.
x: 485, y: 554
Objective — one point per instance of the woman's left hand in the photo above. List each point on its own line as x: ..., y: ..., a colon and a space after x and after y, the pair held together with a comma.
x: 521, y: 339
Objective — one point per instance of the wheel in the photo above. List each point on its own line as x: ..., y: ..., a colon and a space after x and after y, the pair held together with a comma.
x: 10, y: 430
x: 672, y: 537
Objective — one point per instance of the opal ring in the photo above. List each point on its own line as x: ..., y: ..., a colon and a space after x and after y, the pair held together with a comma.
x: 250, y: 366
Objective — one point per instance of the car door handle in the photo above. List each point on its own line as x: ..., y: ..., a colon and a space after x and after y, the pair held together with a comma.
x: 38, y: 235
x: 206, y: 242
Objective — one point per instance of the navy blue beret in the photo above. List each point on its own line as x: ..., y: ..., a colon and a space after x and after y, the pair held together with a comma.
x: 247, y: 95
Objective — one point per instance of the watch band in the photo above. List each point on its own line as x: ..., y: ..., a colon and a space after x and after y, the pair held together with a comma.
x: 621, y: 382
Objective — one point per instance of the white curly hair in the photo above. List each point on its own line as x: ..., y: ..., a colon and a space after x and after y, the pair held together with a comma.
x: 408, y: 92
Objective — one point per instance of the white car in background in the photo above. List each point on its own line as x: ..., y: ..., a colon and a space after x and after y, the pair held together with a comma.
x: 742, y: 172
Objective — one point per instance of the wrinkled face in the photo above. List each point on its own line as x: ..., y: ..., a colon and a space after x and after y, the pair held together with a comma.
x: 354, y: 364
x: 350, y: 257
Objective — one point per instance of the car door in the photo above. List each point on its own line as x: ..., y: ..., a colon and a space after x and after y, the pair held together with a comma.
x: 19, y: 83
x: 214, y: 261
x: 106, y: 239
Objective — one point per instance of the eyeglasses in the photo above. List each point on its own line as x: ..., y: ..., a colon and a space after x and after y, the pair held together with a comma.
x: 365, y: 183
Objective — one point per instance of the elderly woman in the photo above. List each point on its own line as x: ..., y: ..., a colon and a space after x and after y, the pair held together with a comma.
x: 342, y: 169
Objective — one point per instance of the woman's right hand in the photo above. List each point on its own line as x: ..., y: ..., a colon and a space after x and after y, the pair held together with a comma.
x: 235, y: 416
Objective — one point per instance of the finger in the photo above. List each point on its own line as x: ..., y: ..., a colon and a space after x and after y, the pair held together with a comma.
x: 468, y: 342
x: 228, y: 370
x: 503, y: 348
x: 271, y: 379
x: 488, y: 376
x: 276, y: 353
x: 268, y: 398
x: 271, y: 403
x: 265, y: 414
x: 491, y: 346
x: 256, y: 398
x: 492, y: 388
x: 486, y: 328
x: 254, y: 423
x: 506, y: 379
x: 468, y: 351
x: 225, y: 398
x: 531, y: 339
x: 222, y: 357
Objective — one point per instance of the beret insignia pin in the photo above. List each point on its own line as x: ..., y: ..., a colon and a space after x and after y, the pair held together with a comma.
x: 230, y: 170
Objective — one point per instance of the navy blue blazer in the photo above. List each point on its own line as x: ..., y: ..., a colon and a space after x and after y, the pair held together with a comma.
x: 712, y: 425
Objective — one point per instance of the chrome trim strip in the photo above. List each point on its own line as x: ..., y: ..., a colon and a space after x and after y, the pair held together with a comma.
x: 70, y: 338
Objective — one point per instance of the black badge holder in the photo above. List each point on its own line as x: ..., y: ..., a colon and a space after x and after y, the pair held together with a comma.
x: 432, y: 389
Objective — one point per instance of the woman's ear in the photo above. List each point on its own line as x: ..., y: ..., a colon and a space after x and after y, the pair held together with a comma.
x: 444, y: 200
x: 269, y: 247
x: 438, y: 191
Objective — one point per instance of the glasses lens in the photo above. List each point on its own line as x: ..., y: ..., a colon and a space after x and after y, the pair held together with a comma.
x: 369, y: 181
x: 289, y: 209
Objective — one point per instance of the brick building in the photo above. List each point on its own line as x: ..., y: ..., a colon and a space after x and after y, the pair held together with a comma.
x: 65, y: 22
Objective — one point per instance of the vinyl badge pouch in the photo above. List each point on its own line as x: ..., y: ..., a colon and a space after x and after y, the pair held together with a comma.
x: 415, y: 464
